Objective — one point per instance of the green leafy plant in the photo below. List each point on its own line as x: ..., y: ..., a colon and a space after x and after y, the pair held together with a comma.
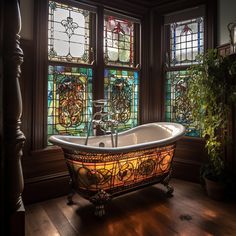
x: 211, y: 92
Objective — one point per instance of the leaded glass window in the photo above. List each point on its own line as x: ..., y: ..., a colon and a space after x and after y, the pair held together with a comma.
x: 186, y: 41
x: 121, y: 89
x: 177, y: 105
x: 69, y: 100
x: 69, y: 37
x: 69, y: 85
x: 118, y: 41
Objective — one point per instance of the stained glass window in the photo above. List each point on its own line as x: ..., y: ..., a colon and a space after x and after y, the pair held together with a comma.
x: 186, y: 41
x: 118, y: 42
x: 177, y: 106
x: 121, y: 89
x: 68, y: 33
x: 69, y: 100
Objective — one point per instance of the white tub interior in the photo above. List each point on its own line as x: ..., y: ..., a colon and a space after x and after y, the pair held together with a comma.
x: 159, y: 132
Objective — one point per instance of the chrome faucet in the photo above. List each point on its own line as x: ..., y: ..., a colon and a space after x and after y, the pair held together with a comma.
x: 101, y: 119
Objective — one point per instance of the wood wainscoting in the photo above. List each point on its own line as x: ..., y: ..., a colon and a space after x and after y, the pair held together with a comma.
x: 46, y: 175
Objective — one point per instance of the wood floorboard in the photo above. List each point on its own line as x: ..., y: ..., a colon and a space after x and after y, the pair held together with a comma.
x: 146, y: 212
x: 59, y: 219
x: 38, y: 222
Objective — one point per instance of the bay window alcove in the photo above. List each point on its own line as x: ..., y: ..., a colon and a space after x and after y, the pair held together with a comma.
x: 134, y: 55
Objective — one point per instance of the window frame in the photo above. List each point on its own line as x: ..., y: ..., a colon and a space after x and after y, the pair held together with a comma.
x: 189, y: 14
x: 91, y: 45
x: 136, y: 49
x: 156, y: 83
x: 39, y: 92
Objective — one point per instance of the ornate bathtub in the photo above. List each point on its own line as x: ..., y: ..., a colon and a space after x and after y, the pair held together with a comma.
x: 100, y: 172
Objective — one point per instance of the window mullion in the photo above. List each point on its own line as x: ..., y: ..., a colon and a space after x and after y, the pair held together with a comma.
x: 136, y: 46
x: 98, y: 85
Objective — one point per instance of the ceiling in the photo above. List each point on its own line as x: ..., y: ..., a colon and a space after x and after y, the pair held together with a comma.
x: 150, y: 3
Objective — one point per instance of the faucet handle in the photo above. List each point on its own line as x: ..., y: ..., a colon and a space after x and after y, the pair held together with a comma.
x: 99, y: 103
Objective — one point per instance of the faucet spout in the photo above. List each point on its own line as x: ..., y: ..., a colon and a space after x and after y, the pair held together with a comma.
x: 102, y: 119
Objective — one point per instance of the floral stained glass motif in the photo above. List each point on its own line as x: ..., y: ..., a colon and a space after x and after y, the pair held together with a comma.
x: 69, y: 100
x: 68, y: 33
x: 177, y: 107
x: 121, y: 90
x: 118, y: 42
x: 186, y: 41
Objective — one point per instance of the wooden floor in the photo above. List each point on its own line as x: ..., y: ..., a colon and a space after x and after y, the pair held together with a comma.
x: 146, y: 212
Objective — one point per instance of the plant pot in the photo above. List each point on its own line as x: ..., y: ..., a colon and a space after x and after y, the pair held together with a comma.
x: 215, y: 190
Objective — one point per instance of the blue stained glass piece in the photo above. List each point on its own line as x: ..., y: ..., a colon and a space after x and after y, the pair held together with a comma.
x: 198, y: 38
x: 59, y: 68
x: 105, y: 73
x: 185, y: 43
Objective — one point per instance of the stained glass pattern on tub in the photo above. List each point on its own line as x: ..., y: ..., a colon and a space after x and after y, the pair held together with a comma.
x: 118, y: 42
x: 121, y: 88
x: 68, y: 33
x: 177, y: 107
x: 69, y: 100
x: 186, y: 41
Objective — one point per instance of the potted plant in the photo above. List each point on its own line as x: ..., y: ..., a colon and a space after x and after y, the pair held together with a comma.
x: 211, y: 91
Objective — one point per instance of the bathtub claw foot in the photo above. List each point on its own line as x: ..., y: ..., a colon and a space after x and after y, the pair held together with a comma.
x: 70, y: 198
x: 99, y: 200
x: 165, y: 182
x: 169, y: 191
x: 71, y: 193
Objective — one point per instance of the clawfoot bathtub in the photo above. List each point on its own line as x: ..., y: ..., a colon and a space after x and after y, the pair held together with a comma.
x: 100, y: 172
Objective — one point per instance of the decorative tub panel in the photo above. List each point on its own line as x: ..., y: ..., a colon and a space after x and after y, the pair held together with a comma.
x: 111, y: 172
x: 144, y: 157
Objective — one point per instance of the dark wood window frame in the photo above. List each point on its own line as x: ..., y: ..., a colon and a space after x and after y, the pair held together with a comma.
x: 184, y: 15
x: 39, y: 116
x: 158, y: 59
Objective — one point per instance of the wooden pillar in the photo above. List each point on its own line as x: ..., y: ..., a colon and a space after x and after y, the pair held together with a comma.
x: 2, y: 195
x: 12, y: 109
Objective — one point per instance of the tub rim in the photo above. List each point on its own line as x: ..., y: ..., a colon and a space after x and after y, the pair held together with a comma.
x: 56, y: 140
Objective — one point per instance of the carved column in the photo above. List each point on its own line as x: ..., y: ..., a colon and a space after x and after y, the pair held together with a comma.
x: 12, y: 104
x: 2, y: 192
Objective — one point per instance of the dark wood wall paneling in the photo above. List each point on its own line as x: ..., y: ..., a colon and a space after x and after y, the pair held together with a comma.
x: 122, y: 6
x: 2, y: 156
x: 39, y: 98
x: 44, y: 168
x: 97, y: 86
x: 145, y: 67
